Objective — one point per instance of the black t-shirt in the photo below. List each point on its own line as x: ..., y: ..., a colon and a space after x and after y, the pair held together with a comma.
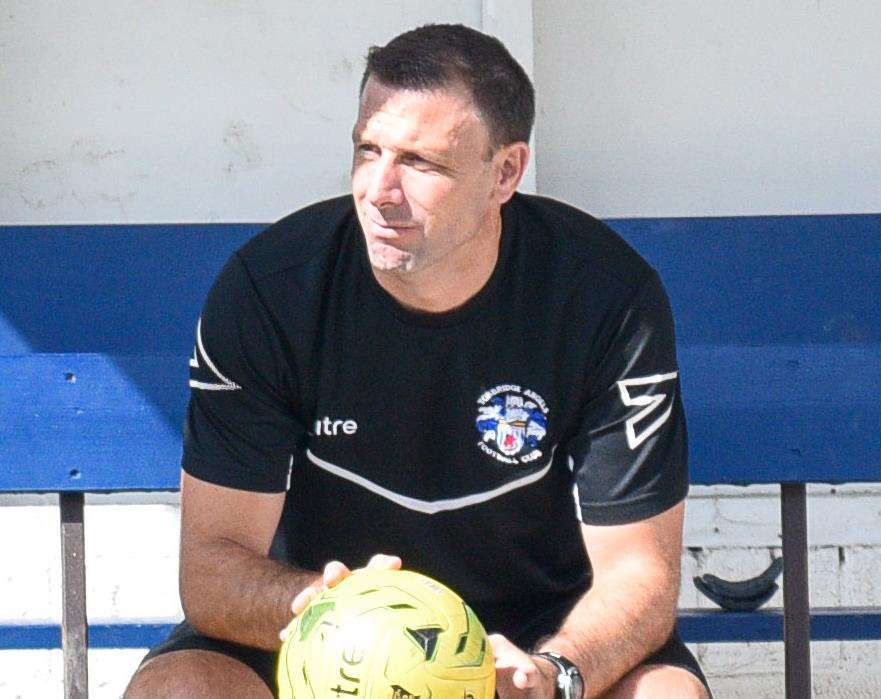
x: 454, y: 440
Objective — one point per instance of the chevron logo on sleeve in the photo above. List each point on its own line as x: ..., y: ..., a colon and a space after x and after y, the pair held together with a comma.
x: 202, y: 364
x: 642, y: 393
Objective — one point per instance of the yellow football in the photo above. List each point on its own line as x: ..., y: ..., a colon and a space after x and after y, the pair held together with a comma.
x: 393, y: 634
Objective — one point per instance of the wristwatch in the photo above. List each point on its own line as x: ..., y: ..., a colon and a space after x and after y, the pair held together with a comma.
x: 570, y: 683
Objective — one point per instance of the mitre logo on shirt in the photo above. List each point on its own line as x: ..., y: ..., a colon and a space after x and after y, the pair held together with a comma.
x: 329, y: 427
x: 511, y: 421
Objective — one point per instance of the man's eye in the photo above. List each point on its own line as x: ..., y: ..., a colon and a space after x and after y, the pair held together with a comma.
x: 366, y: 149
x: 418, y: 163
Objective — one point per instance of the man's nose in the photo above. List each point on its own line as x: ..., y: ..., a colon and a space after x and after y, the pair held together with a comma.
x: 385, y: 184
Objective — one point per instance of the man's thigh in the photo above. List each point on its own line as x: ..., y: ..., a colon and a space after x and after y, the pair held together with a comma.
x: 189, y: 664
x: 671, y: 671
x: 650, y: 681
x: 194, y: 674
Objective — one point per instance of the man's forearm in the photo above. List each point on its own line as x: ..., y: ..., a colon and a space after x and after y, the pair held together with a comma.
x: 624, y: 617
x: 236, y: 594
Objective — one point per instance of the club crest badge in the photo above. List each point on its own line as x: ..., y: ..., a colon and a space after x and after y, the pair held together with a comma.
x: 512, y: 421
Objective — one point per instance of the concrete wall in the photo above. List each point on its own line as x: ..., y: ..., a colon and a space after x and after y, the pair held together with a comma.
x: 231, y: 111
x: 704, y: 107
x: 195, y: 111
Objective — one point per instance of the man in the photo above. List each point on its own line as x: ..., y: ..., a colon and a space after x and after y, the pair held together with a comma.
x: 423, y: 373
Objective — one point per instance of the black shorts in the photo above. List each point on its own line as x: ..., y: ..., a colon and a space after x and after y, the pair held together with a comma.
x: 184, y: 637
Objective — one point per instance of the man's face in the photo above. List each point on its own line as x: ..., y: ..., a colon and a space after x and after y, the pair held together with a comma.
x: 422, y: 179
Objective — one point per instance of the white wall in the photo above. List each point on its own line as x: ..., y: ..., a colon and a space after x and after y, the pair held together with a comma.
x: 208, y: 111
x: 707, y: 107
x: 195, y: 111
x: 184, y: 111
x: 240, y: 111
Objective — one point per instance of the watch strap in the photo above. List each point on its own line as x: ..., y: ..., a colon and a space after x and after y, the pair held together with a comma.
x: 570, y: 684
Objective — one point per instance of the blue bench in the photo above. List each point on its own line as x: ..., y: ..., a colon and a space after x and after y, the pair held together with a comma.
x: 780, y: 351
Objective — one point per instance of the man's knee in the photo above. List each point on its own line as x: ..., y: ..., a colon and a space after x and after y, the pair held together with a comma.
x: 648, y: 681
x: 193, y: 674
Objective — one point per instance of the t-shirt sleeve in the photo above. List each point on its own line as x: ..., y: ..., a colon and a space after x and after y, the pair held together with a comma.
x: 241, y: 428
x: 630, y: 458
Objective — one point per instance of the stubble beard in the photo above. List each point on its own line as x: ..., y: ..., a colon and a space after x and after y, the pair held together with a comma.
x: 388, y: 259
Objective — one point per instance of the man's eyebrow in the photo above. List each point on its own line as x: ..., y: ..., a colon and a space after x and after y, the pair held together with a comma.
x: 424, y: 153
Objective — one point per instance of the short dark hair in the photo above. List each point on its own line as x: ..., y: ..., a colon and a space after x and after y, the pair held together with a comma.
x: 437, y: 55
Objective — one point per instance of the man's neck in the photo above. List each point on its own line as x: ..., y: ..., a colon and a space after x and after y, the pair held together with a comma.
x: 450, y: 282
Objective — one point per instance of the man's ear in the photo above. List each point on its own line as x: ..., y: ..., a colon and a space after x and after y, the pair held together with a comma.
x: 509, y: 164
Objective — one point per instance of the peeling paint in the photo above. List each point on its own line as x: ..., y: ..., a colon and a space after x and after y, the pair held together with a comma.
x: 38, y: 166
x: 119, y: 199
x: 37, y: 202
x: 342, y: 70
x: 238, y: 139
x: 91, y: 151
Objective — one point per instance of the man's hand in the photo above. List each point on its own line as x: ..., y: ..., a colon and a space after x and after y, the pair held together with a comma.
x: 520, y: 675
x: 630, y: 608
x: 334, y: 573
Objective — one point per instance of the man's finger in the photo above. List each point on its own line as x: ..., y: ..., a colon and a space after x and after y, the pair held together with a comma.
x: 523, y: 679
x: 334, y: 572
x: 382, y: 561
x: 303, y: 598
x: 514, y: 666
